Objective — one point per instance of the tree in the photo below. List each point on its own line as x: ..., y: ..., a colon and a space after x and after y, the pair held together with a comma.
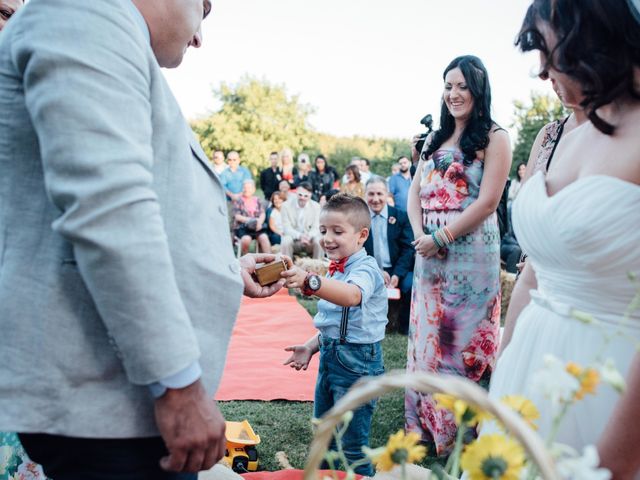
x: 255, y: 119
x: 529, y: 119
x: 381, y: 152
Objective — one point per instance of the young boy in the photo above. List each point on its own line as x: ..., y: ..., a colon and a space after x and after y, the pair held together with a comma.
x: 351, y: 318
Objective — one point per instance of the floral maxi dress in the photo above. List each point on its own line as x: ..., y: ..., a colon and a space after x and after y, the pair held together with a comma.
x: 14, y: 462
x: 455, y: 305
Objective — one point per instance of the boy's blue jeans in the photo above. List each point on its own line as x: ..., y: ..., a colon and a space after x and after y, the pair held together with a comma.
x: 341, y: 365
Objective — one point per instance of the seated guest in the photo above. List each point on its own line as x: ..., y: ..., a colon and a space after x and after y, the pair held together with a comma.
x: 248, y: 219
x: 304, y: 169
x: 510, y: 252
x: 233, y: 178
x: 285, y: 188
x: 390, y: 244
x: 399, y: 184
x: 274, y: 217
x: 301, y: 224
x: 323, y: 180
x: 271, y: 176
x: 353, y: 185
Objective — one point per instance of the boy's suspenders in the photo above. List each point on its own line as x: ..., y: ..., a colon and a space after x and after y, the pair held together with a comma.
x: 344, y: 322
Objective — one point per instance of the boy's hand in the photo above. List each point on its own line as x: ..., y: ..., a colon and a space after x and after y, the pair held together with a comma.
x: 294, y: 277
x: 300, y: 357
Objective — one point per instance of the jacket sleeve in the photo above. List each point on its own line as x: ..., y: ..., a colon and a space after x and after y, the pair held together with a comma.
x: 406, y: 256
x: 89, y: 102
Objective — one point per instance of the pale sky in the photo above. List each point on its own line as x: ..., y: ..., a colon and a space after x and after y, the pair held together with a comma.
x: 369, y: 67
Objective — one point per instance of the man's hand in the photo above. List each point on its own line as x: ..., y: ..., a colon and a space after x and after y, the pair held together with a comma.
x: 393, y: 283
x: 247, y: 268
x: 192, y: 428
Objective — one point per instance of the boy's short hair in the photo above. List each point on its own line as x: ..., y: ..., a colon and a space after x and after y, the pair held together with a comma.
x: 353, y: 207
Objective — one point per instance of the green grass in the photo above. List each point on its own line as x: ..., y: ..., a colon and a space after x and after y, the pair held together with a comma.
x: 286, y: 426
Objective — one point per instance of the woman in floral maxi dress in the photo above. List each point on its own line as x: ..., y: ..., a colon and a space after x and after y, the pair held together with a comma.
x: 455, y: 311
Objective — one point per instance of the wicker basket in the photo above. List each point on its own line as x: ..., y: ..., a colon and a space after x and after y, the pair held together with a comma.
x: 461, y: 388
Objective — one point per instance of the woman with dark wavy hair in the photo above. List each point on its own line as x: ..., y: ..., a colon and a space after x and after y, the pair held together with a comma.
x: 579, y: 224
x: 455, y: 310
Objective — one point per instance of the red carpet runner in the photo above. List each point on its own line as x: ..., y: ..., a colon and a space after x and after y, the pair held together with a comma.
x: 254, y: 369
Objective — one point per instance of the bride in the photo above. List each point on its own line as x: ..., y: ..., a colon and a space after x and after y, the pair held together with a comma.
x: 580, y: 226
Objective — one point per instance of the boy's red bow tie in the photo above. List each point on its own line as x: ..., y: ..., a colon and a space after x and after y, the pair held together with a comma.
x: 337, y: 266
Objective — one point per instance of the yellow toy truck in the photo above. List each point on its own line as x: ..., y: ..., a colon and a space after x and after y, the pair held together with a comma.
x: 241, y: 453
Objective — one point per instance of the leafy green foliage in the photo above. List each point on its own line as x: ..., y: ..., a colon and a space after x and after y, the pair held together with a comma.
x: 256, y: 118
x: 529, y: 119
x: 381, y: 152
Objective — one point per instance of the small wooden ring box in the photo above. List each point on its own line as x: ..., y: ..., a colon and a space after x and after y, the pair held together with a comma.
x: 270, y: 272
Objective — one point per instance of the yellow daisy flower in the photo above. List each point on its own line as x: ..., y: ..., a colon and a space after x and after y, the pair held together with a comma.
x: 523, y: 407
x: 493, y: 457
x: 589, y: 379
x: 464, y: 413
x: 400, y: 449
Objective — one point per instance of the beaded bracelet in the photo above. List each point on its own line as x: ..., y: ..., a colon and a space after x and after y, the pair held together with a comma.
x: 437, y: 240
x: 449, y: 234
x: 444, y: 240
x: 442, y: 237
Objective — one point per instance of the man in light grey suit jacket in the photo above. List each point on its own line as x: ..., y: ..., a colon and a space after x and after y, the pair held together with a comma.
x: 118, y: 284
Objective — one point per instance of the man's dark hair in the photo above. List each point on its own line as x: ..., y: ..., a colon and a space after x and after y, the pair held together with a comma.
x: 354, y: 208
x: 306, y: 185
x: 366, y: 160
x: 476, y: 133
x: 598, y: 46
x: 401, y: 157
x: 274, y: 153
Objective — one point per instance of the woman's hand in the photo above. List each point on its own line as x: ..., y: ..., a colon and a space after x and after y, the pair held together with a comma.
x: 425, y: 246
x: 415, y: 154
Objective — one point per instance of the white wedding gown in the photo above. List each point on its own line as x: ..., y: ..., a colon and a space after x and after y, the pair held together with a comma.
x: 582, y: 242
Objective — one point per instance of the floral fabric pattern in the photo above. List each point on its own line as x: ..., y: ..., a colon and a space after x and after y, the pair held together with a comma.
x: 455, y: 306
x: 14, y: 462
x: 550, y: 136
x: 252, y: 208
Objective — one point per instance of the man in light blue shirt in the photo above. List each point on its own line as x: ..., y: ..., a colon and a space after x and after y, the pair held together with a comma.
x: 233, y: 178
x: 399, y: 184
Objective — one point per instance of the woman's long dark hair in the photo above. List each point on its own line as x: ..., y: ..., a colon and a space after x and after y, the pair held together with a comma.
x: 598, y: 46
x: 476, y: 133
x: 355, y: 171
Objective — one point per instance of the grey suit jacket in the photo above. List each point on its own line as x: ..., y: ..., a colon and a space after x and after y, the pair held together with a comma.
x: 116, y: 267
